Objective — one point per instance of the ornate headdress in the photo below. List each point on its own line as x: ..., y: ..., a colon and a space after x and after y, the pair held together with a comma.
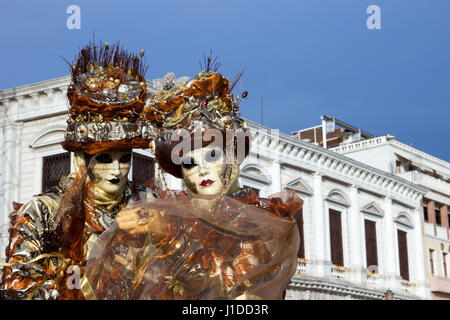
x: 107, y: 96
x: 194, y: 107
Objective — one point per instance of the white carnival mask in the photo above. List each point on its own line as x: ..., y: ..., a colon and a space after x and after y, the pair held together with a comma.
x: 110, y: 171
x: 201, y: 170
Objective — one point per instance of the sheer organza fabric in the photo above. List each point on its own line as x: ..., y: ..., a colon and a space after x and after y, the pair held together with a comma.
x: 214, y: 247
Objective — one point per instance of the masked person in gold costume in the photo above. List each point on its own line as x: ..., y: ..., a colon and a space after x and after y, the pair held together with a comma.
x: 213, y: 242
x: 51, y: 234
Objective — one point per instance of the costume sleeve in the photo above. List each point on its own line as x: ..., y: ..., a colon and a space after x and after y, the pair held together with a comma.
x: 166, y: 240
x: 33, y: 266
x: 119, y: 262
x: 112, y: 263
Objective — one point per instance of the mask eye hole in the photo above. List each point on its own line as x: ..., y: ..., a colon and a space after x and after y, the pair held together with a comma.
x: 188, y: 163
x: 125, y: 158
x: 104, y: 158
x: 213, y: 155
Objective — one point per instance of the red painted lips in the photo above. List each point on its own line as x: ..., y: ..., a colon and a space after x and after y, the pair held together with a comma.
x: 206, y: 183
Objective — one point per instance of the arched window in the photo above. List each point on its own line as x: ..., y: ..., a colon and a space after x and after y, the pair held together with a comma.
x: 404, y: 224
x: 304, y: 190
x: 338, y: 197
x: 337, y: 206
x: 252, y: 176
x: 254, y: 173
x: 372, y: 215
x: 52, y: 161
x: 52, y: 135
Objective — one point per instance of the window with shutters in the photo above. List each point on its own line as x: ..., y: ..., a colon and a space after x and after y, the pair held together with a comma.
x: 438, y: 215
x: 430, y: 256
x: 371, y: 245
x: 54, y: 167
x: 398, y: 166
x: 336, y: 246
x: 444, y: 262
x: 425, y: 213
x: 403, y: 254
x: 143, y: 170
x: 301, y: 249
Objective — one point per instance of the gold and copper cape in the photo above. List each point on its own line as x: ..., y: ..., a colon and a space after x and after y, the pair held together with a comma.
x: 215, y: 247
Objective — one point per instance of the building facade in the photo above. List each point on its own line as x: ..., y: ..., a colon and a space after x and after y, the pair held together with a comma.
x: 361, y: 227
x: 422, y: 169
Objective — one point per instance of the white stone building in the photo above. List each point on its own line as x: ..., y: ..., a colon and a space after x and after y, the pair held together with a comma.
x: 372, y: 212
x: 391, y: 155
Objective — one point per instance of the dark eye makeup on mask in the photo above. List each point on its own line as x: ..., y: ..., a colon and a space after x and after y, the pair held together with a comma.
x: 125, y: 158
x: 210, y: 156
x: 104, y: 158
x: 213, y: 155
x: 188, y: 163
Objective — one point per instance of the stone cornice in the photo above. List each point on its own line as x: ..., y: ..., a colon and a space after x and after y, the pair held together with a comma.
x: 383, y: 140
x: 34, y: 88
x: 303, y: 153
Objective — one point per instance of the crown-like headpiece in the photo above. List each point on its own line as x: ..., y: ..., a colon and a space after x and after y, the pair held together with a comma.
x: 107, y: 96
x: 204, y: 102
x: 193, y: 108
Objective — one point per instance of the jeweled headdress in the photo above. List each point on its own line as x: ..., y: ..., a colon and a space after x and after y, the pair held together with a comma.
x: 107, y: 96
x: 204, y: 102
x: 193, y: 107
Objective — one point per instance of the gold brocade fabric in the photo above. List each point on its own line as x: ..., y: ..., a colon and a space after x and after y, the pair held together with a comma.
x: 215, y: 247
x: 35, y: 265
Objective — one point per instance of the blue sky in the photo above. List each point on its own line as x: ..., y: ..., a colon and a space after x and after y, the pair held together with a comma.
x: 304, y: 58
